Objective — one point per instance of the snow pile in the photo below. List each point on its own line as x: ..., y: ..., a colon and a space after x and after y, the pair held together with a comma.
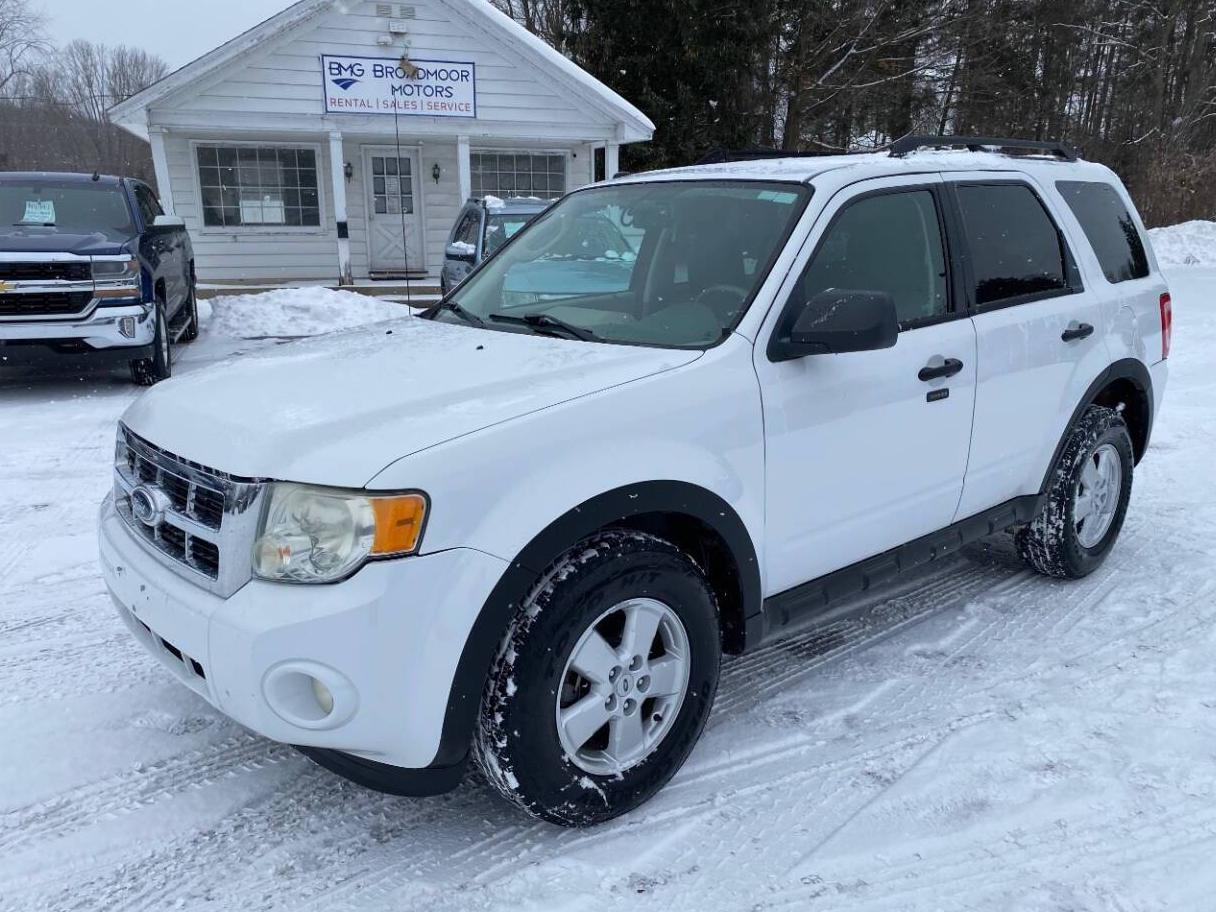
x: 293, y: 312
x: 1186, y: 244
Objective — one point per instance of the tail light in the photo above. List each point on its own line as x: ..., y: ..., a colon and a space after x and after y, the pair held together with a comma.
x: 1167, y: 324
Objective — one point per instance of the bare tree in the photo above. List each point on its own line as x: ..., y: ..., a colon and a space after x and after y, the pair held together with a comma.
x: 55, y: 117
x: 22, y: 41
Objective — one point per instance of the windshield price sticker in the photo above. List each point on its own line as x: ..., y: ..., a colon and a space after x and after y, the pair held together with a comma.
x: 39, y: 212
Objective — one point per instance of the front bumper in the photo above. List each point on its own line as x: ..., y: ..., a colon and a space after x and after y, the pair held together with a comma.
x: 101, y: 332
x: 385, y: 642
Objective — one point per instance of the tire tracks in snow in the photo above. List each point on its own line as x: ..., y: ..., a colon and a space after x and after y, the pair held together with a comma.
x: 135, y: 789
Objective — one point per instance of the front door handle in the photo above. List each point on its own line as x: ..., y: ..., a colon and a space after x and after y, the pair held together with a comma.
x: 947, y: 368
x: 1077, y: 331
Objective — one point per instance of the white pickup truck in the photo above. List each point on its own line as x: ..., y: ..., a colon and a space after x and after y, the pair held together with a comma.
x: 526, y: 533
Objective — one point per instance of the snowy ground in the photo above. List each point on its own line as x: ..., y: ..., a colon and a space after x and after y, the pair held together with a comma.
x: 981, y: 739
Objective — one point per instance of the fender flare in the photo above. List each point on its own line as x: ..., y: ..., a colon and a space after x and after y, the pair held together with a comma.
x: 464, y: 698
x: 1125, y: 369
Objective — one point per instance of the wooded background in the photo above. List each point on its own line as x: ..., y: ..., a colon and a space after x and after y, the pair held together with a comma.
x: 1131, y: 83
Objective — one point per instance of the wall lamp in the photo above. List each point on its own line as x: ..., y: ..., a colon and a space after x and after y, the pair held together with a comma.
x: 436, y: 172
x: 349, y: 170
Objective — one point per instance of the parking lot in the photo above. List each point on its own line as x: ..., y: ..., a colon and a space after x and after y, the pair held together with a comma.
x: 981, y: 738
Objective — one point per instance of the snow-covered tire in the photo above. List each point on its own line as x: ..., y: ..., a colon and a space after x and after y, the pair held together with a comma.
x: 518, y: 744
x: 150, y: 371
x: 1051, y: 543
x: 190, y: 333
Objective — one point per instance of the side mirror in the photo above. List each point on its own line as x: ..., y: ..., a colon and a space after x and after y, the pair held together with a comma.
x: 168, y: 221
x: 465, y: 253
x: 840, y: 320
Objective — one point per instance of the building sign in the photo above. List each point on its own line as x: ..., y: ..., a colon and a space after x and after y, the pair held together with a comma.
x: 388, y: 85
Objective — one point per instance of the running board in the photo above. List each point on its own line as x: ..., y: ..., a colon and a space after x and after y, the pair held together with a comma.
x: 795, y: 606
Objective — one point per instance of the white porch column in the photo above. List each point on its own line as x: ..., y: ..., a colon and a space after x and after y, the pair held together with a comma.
x: 160, y: 166
x: 464, y: 168
x: 337, y: 167
x: 612, y: 160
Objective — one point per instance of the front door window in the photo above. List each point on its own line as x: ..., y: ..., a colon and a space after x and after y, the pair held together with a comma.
x: 392, y: 185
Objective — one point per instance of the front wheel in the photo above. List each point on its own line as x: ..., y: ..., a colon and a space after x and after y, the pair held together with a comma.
x: 149, y: 371
x: 1083, y: 512
x: 604, y: 682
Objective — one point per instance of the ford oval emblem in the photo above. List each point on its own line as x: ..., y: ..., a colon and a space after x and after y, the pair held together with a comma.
x: 148, y: 505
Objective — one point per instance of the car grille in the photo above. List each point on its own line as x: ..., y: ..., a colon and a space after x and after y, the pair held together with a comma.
x: 45, y: 304
x: 207, y: 526
x: 46, y: 272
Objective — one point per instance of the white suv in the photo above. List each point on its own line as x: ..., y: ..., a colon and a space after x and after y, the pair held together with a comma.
x: 524, y: 528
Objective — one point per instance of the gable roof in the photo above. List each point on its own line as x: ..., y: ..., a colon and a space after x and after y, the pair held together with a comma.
x: 131, y: 113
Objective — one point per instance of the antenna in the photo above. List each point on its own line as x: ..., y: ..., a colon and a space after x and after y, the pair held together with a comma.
x: 405, y: 246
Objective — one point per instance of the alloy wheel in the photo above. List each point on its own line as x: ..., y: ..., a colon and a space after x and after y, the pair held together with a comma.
x: 1097, y: 497
x: 623, y: 686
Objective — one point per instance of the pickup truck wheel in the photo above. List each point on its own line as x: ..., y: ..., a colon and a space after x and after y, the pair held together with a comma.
x: 190, y: 333
x: 1084, y: 509
x: 149, y: 371
x: 604, y: 682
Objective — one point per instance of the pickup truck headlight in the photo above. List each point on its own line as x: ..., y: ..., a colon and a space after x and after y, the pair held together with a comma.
x: 323, y: 535
x: 116, y: 278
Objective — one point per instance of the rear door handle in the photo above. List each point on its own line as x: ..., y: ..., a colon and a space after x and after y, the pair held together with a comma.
x: 947, y: 368
x: 1077, y: 331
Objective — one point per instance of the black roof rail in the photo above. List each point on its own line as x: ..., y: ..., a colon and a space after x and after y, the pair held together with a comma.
x: 906, y: 144
x: 722, y: 155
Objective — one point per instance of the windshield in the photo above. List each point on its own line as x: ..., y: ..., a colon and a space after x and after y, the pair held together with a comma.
x: 66, y: 208
x: 672, y: 264
x: 501, y: 228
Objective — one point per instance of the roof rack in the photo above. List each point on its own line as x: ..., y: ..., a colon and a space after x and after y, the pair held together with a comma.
x: 906, y: 144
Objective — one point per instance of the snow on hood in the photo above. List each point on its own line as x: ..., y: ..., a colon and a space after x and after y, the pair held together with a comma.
x: 337, y: 409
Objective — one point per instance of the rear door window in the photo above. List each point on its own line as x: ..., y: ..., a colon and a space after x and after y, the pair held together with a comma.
x: 1109, y: 227
x: 1017, y: 252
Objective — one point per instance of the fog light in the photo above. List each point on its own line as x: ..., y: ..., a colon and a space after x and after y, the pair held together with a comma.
x: 126, y: 326
x: 324, y: 698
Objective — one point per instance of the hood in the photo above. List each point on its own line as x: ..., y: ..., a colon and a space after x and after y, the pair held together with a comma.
x: 48, y: 240
x: 336, y: 410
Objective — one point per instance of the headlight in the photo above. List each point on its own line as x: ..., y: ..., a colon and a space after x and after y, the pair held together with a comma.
x: 116, y: 278
x: 321, y: 535
x: 116, y: 270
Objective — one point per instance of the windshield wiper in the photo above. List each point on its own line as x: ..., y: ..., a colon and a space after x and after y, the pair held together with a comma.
x: 543, y: 321
x: 467, y: 315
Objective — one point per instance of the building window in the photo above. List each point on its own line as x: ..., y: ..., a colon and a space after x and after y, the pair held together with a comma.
x: 541, y: 174
x: 259, y: 186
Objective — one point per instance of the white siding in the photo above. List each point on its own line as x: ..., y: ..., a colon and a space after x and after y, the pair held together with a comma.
x: 253, y: 254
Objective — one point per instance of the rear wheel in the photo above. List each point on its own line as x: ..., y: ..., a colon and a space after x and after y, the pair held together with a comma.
x: 149, y: 371
x: 604, y: 682
x: 190, y: 332
x: 1083, y: 512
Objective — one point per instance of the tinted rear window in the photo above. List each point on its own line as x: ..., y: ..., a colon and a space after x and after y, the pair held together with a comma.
x: 1109, y: 227
x: 1015, y: 247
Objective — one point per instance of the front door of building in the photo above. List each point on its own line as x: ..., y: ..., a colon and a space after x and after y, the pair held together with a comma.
x: 394, y: 210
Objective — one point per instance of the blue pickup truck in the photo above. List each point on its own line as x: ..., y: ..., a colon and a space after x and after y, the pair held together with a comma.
x: 91, y: 265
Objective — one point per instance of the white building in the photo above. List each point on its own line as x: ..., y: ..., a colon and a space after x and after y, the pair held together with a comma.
x: 338, y: 139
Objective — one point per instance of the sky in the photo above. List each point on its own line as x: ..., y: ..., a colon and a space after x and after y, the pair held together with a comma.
x: 176, y: 30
